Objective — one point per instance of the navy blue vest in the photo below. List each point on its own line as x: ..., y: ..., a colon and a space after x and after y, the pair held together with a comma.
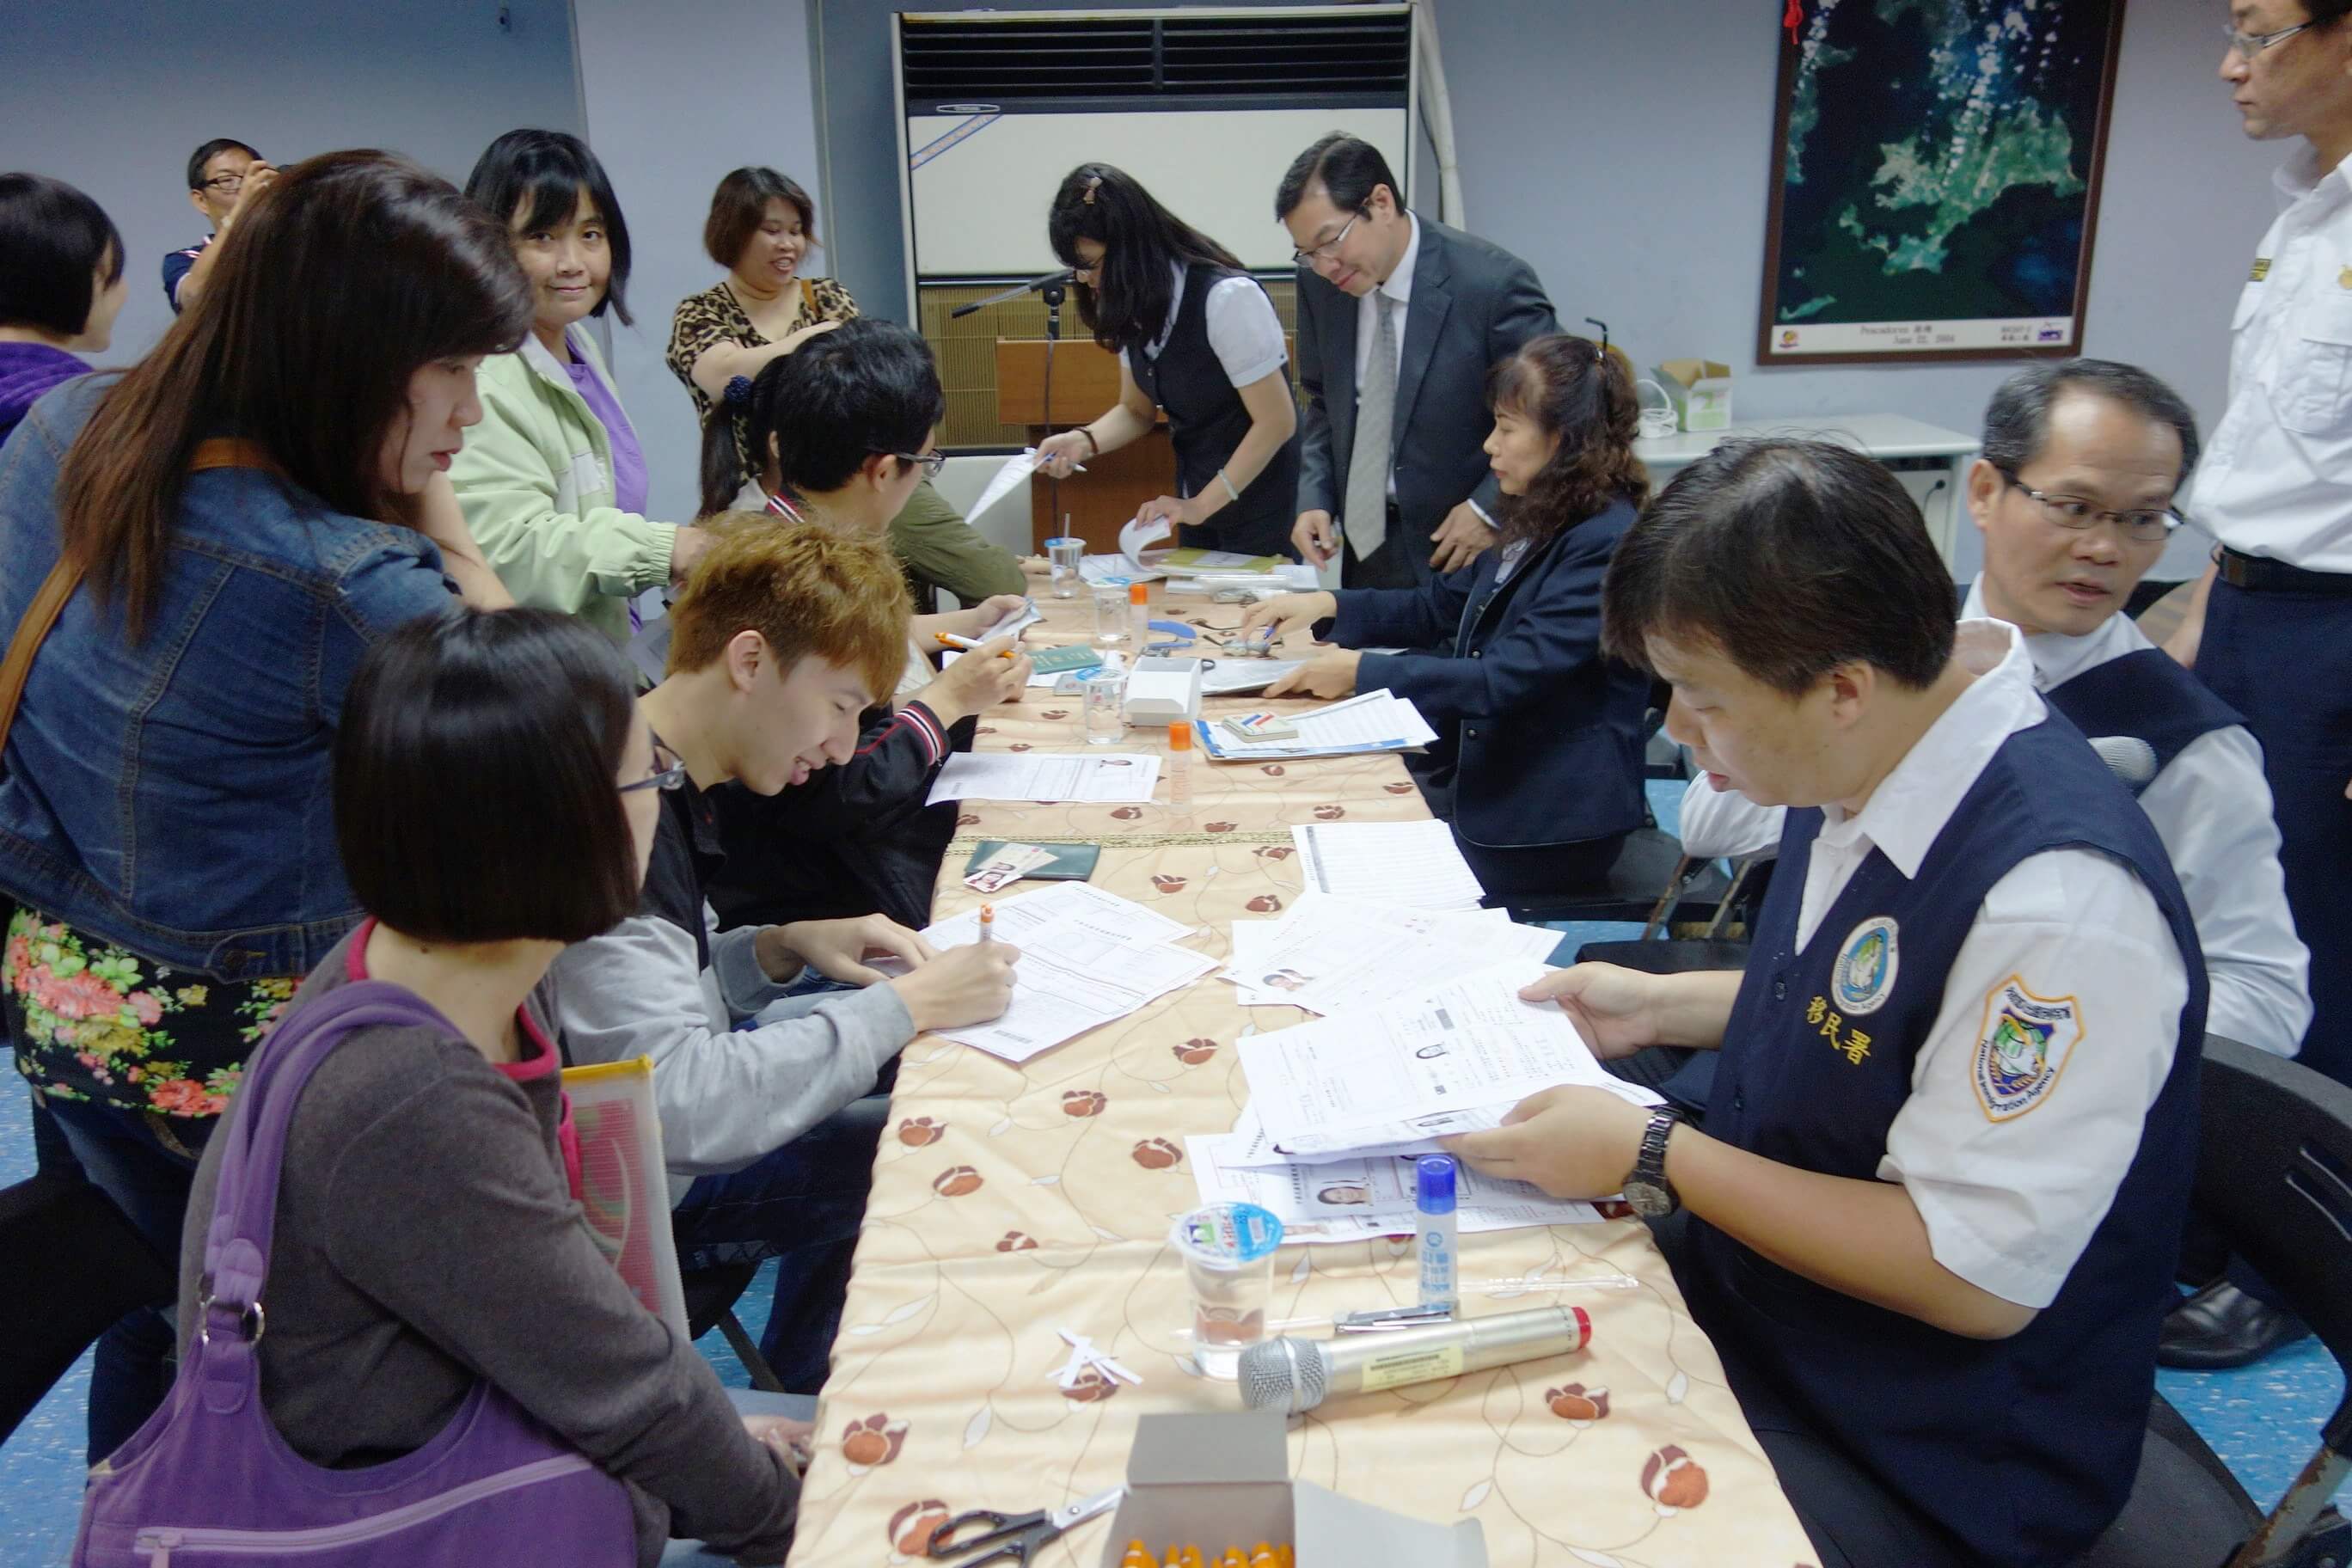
x: 2144, y: 693
x: 1206, y: 417
x: 2024, y: 1447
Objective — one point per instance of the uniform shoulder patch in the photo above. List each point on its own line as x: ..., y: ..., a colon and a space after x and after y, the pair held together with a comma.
x: 2022, y: 1045
x: 1867, y: 963
x: 2261, y: 269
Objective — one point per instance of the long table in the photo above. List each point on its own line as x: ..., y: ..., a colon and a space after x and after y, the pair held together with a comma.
x: 1011, y: 1202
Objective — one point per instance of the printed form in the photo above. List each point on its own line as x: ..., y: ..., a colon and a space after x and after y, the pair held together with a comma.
x: 1088, y: 958
x: 1453, y: 1058
x: 1120, y: 778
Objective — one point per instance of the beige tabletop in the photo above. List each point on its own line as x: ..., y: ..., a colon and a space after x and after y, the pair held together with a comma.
x: 1011, y: 1202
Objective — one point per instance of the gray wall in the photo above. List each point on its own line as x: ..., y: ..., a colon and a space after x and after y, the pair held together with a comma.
x: 111, y: 96
x: 666, y: 136
x: 1624, y: 148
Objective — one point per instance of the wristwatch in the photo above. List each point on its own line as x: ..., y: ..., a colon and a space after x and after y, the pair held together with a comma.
x: 1648, y: 1191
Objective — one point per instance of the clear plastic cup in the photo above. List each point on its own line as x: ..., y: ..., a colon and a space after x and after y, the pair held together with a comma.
x: 1065, y: 554
x: 1104, y: 693
x: 1114, y: 622
x: 1228, y: 1253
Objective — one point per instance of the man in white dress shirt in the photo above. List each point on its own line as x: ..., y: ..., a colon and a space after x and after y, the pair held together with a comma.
x: 2074, y: 497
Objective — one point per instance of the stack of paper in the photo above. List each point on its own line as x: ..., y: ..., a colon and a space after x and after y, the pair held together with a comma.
x: 1193, y: 562
x: 1088, y: 958
x: 1353, y: 1200
x: 1097, y: 778
x: 1412, y: 863
x: 1370, y: 721
x: 1454, y: 1056
x: 1326, y: 953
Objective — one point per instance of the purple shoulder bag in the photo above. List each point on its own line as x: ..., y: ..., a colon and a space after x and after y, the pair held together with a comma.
x: 208, y: 1481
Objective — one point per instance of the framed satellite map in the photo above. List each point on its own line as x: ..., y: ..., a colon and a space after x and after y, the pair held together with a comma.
x: 1934, y: 178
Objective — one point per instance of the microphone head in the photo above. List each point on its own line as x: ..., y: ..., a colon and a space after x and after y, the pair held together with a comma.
x: 2129, y: 758
x: 1284, y: 1373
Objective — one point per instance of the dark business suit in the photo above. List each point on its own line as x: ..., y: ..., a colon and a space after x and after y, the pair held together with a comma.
x: 1472, y: 304
x: 1537, y: 761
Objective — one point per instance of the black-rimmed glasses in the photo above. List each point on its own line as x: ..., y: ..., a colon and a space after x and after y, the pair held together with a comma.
x: 933, y: 463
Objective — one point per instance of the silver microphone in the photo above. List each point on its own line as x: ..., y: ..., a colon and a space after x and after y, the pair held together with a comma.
x: 2129, y: 758
x: 1292, y: 1374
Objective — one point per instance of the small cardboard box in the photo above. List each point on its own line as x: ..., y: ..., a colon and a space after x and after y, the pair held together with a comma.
x: 1218, y: 1480
x: 1700, y: 390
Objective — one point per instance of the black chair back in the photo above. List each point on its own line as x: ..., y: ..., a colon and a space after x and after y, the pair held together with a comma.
x: 2274, y: 1174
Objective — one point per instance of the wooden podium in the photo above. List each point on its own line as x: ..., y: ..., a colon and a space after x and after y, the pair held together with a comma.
x: 1085, y: 384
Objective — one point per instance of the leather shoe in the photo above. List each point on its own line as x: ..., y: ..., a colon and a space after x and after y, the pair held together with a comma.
x: 2222, y: 1326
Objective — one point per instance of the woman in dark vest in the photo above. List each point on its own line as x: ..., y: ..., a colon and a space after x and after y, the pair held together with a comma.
x: 1195, y: 336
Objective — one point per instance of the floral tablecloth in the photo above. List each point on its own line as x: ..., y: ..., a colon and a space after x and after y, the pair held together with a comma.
x: 1011, y: 1202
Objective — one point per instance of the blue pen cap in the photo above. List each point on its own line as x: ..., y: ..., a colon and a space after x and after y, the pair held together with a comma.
x: 1436, y: 1172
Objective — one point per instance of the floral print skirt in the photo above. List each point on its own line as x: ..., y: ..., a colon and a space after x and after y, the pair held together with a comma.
x: 91, y: 1021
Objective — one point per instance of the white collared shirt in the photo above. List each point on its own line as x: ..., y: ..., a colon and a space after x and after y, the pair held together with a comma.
x: 1244, y: 331
x: 2273, y: 479
x: 2212, y: 806
x: 2010, y: 1201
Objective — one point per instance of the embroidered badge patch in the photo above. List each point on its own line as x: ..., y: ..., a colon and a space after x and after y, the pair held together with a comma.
x: 2262, y: 268
x: 1865, y: 975
x: 2023, y: 1046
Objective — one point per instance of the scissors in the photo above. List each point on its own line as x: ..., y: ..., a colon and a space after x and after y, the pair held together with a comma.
x: 1015, y: 1537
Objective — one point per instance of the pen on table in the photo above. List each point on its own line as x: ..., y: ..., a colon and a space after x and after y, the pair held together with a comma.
x: 988, y: 923
x: 949, y: 639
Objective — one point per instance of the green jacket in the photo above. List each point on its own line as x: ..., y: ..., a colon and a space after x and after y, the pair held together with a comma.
x: 535, y: 479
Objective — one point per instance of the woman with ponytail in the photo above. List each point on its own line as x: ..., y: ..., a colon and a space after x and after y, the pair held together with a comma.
x: 1538, y: 758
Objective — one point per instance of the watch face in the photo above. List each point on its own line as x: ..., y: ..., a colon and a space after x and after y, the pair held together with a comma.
x: 1649, y: 1201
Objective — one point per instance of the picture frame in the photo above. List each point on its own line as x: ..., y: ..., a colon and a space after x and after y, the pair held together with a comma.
x: 1935, y: 189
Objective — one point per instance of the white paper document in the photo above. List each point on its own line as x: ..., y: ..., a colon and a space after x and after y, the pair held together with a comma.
x: 1005, y: 481
x: 1414, y: 863
x: 1019, y: 621
x: 1372, y: 721
x: 1452, y: 1057
x: 1100, y: 778
x: 1327, y: 953
x: 1084, y: 924
x: 1053, y: 1001
x: 1354, y: 1199
x: 1088, y: 958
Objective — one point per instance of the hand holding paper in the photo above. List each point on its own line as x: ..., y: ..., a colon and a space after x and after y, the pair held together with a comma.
x: 1571, y: 1142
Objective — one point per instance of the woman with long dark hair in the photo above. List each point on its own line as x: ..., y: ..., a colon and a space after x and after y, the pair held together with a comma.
x: 1539, y: 760
x: 1196, y: 336
x: 554, y: 482
x: 195, y: 556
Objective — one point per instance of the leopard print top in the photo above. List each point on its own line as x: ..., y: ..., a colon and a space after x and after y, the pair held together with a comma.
x: 715, y: 316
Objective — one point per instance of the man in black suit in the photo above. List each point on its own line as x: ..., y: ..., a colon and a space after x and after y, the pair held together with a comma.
x: 1447, y: 306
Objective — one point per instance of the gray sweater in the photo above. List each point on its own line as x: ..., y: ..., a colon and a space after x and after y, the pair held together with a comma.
x: 425, y: 1237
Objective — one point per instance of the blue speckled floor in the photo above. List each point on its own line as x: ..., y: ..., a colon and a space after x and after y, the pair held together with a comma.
x: 2265, y: 1421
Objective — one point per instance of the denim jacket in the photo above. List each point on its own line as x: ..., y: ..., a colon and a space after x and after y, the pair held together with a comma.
x: 174, y: 795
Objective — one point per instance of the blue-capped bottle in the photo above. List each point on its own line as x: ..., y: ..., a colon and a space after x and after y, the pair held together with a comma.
x: 1441, y: 1283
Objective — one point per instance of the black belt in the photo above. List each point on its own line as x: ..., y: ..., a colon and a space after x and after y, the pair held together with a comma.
x: 2261, y: 574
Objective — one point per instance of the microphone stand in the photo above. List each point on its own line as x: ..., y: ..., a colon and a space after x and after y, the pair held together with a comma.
x: 1052, y: 290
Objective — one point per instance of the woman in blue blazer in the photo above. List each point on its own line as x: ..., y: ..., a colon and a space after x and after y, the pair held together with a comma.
x: 1538, y: 763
